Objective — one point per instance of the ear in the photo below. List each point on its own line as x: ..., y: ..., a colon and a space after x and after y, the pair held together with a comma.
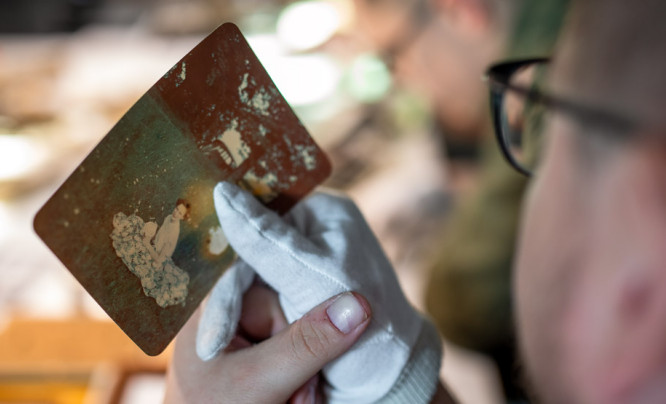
x: 639, y: 330
x: 614, y: 325
x: 471, y: 16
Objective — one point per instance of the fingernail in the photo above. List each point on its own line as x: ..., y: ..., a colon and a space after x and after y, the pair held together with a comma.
x: 346, y: 313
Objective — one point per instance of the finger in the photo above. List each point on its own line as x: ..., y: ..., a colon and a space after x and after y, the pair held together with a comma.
x: 187, y: 373
x: 261, y: 317
x: 222, y: 311
x: 327, y: 212
x: 289, y: 359
x: 277, y: 251
x: 237, y: 342
x: 309, y: 393
x: 334, y: 224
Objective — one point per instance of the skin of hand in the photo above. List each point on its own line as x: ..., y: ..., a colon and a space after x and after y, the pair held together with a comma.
x: 268, y: 361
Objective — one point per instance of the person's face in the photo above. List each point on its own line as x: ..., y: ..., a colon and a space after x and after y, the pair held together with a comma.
x: 443, y: 61
x: 179, y: 212
x: 589, y: 279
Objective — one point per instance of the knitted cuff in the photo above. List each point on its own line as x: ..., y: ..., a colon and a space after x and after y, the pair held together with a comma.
x: 418, y: 380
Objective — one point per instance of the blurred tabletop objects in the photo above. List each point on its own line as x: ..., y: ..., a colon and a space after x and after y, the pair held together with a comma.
x: 77, y: 360
x: 70, y: 69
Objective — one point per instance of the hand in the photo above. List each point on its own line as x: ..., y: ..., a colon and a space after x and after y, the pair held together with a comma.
x: 284, y: 363
x: 324, y: 247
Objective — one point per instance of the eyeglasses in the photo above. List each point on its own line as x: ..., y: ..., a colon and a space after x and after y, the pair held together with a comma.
x: 520, y: 108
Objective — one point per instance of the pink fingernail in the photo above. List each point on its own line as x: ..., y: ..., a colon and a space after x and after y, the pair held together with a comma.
x: 346, y: 313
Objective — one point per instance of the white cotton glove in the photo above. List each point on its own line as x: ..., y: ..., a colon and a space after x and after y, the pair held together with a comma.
x: 324, y: 247
x: 218, y: 322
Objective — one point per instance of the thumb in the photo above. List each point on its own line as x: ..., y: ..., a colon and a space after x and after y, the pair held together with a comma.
x: 277, y: 251
x: 297, y: 353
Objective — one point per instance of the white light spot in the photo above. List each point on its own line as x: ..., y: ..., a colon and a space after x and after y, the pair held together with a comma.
x: 183, y: 71
x: 307, y: 24
x: 19, y: 156
x: 218, y: 241
x: 308, y: 159
x: 4, y: 219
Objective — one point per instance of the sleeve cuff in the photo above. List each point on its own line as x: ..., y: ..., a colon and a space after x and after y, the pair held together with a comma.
x: 418, y: 380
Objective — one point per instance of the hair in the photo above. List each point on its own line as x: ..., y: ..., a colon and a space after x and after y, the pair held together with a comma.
x: 617, y: 50
x: 187, y: 205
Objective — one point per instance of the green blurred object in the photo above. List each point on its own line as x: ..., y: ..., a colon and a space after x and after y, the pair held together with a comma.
x: 469, y: 293
x: 537, y: 28
x: 368, y: 79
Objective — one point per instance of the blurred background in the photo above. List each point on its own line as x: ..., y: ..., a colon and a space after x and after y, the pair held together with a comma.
x: 361, y: 75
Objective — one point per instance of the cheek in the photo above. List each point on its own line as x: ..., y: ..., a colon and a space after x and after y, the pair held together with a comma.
x: 621, y: 301
x: 550, y: 251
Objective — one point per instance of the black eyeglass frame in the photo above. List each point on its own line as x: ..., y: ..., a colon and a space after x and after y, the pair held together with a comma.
x: 498, y: 77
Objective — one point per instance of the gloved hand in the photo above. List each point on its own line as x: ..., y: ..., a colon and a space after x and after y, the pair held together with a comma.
x: 324, y: 247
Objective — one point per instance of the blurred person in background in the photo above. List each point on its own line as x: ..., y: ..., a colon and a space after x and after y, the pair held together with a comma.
x: 441, y: 48
x: 469, y: 293
x: 589, y: 281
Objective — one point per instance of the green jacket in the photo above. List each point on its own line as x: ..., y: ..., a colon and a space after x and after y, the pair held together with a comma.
x: 469, y: 293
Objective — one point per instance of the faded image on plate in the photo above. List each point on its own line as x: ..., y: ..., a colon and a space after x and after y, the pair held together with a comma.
x: 135, y: 223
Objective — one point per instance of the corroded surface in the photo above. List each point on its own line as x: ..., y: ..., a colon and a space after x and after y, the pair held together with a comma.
x: 215, y: 116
